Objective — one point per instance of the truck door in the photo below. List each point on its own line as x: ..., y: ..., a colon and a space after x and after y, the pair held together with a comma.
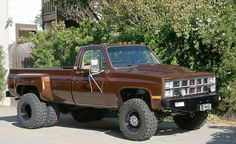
x: 87, y: 90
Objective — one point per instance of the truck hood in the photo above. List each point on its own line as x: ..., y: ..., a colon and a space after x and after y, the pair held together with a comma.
x: 163, y: 69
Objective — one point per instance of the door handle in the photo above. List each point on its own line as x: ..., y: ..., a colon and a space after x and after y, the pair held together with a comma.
x: 79, y: 72
x: 76, y: 82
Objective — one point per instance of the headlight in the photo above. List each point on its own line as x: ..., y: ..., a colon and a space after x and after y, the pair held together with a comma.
x: 212, y: 80
x: 212, y: 88
x: 168, y: 93
x: 168, y: 84
x: 183, y: 92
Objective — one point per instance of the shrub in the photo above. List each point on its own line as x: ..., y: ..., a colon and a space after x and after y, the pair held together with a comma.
x: 200, y: 35
x: 59, y: 45
x: 2, y: 72
x: 227, y: 82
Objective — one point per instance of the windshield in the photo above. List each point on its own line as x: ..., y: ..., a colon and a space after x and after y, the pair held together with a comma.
x: 125, y: 56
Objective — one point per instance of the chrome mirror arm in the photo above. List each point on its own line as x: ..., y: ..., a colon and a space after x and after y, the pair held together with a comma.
x: 90, y: 76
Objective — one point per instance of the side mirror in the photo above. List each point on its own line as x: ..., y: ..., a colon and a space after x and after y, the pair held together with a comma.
x: 94, y: 66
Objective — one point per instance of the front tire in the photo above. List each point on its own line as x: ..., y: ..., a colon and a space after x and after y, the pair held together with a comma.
x: 188, y: 122
x: 136, y: 120
x: 31, y: 112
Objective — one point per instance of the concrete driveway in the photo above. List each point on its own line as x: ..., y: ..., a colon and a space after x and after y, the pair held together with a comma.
x: 105, y: 132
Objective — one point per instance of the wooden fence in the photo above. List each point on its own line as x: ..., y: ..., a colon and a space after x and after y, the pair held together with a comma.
x: 20, y: 55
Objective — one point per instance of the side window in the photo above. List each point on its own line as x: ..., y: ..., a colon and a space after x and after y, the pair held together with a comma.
x: 93, y: 55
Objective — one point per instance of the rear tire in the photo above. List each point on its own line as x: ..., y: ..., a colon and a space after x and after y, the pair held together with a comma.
x: 52, y: 111
x: 136, y: 120
x: 31, y: 112
x: 186, y: 122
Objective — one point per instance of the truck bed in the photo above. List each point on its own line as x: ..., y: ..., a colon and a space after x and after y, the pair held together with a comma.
x: 56, y: 81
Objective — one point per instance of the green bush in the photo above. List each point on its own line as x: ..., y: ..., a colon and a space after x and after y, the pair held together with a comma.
x: 189, y: 33
x: 2, y: 72
x: 200, y: 35
x: 59, y: 45
x: 227, y: 82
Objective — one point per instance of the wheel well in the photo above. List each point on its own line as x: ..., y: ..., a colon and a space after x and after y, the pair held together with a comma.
x: 23, y: 89
x: 129, y: 93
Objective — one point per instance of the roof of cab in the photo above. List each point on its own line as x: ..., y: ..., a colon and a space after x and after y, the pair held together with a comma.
x: 111, y: 45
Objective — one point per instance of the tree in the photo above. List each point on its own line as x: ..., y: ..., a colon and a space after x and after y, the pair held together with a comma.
x: 59, y: 45
x: 227, y: 80
x: 76, y: 10
x: 190, y: 33
x: 198, y: 34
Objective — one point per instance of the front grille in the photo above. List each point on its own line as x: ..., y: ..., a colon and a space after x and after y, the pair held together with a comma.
x: 191, y: 86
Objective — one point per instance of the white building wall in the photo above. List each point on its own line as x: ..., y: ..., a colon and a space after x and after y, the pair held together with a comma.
x: 4, y: 38
x: 23, y: 12
x: 3, y: 19
x: 20, y: 12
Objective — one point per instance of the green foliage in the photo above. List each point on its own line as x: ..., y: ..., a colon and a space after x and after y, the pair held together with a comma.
x: 227, y: 77
x: 227, y: 69
x: 2, y: 72
x: 189, y: 33
x: 228, y: 104
x: 198, y: 34
x: 59, y: 45
x: 43, y: 52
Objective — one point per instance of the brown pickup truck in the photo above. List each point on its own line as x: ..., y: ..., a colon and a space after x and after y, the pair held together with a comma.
x: 128, y: 79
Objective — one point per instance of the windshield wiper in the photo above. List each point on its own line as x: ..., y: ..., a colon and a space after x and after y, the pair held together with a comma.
x: 130, y: 65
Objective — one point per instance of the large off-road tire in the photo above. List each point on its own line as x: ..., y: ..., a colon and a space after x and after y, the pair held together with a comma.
x: 52, y: 112
x: 188, y: 122
x: 83, y: 115
x: 136, y: 120
x: 31, y: 112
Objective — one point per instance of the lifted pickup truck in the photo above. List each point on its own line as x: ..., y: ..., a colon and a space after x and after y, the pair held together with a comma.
x: 129, y: 79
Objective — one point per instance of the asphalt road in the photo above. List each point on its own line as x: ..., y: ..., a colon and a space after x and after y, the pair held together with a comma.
x: 105, y: 132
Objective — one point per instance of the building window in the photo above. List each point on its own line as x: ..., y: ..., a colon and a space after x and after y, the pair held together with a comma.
x: 24, y: 30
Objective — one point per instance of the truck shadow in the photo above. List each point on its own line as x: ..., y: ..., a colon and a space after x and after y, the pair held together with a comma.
x: 226, y: 136
x: 12, y: 119
x: 110, y: 126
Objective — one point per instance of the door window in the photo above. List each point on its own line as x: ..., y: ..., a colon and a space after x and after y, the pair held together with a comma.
x: 93, y: 54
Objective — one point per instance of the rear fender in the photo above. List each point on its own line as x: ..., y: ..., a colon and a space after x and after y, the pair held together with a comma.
x: 40, y: 81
